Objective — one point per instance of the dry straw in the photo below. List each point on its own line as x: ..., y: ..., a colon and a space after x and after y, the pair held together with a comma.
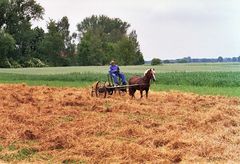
x: 67, y: 124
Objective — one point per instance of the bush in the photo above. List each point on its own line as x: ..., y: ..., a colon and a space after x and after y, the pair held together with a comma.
x: 14, y: 64
x: 33, y: 62
x: 156, y: 61
x: 4, y: 63
x: 38, y: 62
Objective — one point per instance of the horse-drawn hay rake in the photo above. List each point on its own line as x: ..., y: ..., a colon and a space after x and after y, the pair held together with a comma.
x: 100, y: 89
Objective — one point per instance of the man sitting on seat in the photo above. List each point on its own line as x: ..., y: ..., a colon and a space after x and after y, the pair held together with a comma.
x: 114, y: 71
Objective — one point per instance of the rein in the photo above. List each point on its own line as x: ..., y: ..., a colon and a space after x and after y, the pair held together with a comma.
x: 133, y: 85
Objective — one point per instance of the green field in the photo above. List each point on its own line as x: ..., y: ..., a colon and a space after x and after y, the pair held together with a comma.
x: 210, y: 79
x: 201, y: 67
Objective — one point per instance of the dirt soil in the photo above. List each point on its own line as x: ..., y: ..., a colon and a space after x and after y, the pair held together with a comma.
x: 68, y: 125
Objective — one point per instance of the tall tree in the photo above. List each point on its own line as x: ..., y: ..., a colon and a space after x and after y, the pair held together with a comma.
x: 103, y: 38
x: 58, y: 47
x: 63, y: 28
x: 92, y: 45
x: 52, y: 45
x: 138, y: 57
x: 20, y: 13
x: 115, y: 28
x: 17, y: 22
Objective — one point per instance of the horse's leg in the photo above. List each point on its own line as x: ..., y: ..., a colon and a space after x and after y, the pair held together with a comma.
x: 147, y: 92
x: 130, y: 91
x: 141, y: 92
x: 133, y: 92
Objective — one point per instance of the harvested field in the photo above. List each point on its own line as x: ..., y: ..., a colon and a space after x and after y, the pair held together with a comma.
x: 43, y: 124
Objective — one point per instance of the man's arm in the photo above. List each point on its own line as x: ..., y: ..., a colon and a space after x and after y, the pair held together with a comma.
x: 118, y: 69
x: 114, y: 69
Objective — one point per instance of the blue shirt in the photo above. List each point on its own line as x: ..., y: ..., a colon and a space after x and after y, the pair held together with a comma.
x: 113, y: 68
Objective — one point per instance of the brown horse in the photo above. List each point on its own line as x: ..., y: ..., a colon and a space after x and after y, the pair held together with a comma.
x: 141, y: 83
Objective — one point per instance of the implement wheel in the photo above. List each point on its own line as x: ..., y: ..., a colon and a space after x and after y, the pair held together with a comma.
x: 100, y: 90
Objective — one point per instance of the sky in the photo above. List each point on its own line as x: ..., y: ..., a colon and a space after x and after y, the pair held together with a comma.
x: 166, y: 29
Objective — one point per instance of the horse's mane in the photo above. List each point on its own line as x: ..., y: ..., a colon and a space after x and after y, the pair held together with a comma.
x: 146, y: 72
x: 151, y: 69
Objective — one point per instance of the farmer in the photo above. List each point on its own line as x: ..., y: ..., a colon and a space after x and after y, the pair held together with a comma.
x: 114, y: 71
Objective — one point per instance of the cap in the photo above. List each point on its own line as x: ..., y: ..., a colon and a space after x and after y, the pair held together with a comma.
x: 112, y: 62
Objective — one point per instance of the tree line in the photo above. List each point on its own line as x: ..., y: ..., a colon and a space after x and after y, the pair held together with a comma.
x: 101, y: 39
x: 203, y: 60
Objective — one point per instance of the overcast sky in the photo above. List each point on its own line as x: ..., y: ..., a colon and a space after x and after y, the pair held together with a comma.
x: 167, y: 29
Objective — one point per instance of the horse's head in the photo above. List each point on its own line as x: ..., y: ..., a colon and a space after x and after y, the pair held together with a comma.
x: 150, y: 73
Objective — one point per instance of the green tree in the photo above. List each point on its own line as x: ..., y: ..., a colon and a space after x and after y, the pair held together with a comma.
x: 137, y: 56
x: 52, y: 46
x: 58, y: 47
x: 7, y: 46
x: 63, y: 28
x: 37, y: 37
x: 90, y: 50
x: 156, y: 61
x: 3, y: 7
x: 112, y: 29
x: 124, y: 52
x: 103, y: 38
x: 19, y: 14
x: 220, y: 59
x: 16, y: 21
